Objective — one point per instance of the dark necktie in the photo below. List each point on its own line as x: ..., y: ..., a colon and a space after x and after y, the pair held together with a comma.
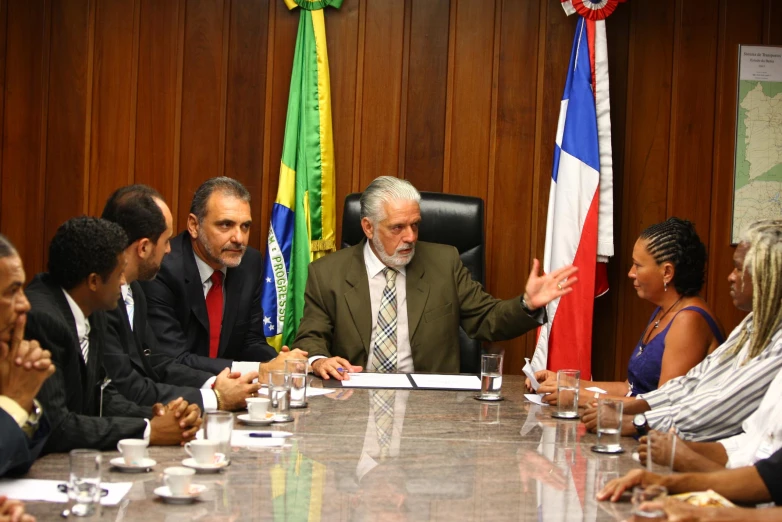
x: 214, y: 308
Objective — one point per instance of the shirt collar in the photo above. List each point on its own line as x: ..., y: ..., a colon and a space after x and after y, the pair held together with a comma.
x: 82, y: 325
x: 204, y: 270
x: 374, y: 264
x: 126, y: 291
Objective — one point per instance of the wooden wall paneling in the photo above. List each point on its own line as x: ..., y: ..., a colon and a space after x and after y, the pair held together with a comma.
x: 737, y: 25
x: 773, y: 23
x: 246, y: 94
x: 604, y: 353
x: 202, y: 84
x: 3, y: 42
x: 472, y: 89
x: 646, y: 153
x: 381, y: 90
x: 68, y: 114
x: 342, y: 40
x: 113, y: 94
x: 157, y: 98
x: 426, y: 91
x: 286, y: 25
x: 511, y: 197
x: 692, y: 111
x: 24, y: 129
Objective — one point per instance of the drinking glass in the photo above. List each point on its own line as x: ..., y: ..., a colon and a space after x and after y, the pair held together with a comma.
x: 609, y: 425
x: 297, y: 369
x: 84, y: 484
x: 642, y: 496
x: 218, y: 426
x: 567, y: 393
x: 491, y: 376
x: 279, y: 393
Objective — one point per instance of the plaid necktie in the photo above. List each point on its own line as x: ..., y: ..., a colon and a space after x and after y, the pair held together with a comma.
x: 383, y: 409
x: 384, y: 347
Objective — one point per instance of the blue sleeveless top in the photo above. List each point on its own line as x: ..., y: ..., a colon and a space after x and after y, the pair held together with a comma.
x: 643, y: 371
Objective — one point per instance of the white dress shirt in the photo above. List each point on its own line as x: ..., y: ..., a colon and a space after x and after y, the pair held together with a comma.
x: 82, y: 326
x: 207, y: 394
x: 377, y: 283
x: 762, y: 431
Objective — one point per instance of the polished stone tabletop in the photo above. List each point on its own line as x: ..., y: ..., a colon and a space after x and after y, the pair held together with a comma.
x: 448, y: 457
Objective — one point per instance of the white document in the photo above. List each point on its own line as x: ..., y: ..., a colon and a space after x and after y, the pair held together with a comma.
x: 314, y: 392
x: 530, y: 373
x: 377, y: 380
x: 242, y: 439
x: 535, y: 398
x: 447, y: 382
x: 46, y: 490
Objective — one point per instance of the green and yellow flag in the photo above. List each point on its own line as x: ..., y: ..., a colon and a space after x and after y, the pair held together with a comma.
x: 303, y: 220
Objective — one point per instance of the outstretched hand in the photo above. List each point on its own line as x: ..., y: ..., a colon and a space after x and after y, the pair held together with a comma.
x: 542, y: 289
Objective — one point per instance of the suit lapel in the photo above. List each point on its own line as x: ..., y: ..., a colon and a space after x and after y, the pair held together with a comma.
x: 195, y: 289
x: 230, y: 307
x: 417, y: 294
x: 358, y: 296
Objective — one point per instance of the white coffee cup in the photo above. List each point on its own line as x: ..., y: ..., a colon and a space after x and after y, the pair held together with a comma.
x: 203, y: 451
x: 257, y: 407
x: 133, y: 451
x: 178, y: 480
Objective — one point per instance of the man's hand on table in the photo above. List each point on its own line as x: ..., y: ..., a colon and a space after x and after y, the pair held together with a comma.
x: 175, y: 423
x: 13, y: 511
x: 278, y: 363
x: 336, y: 367
x: 235, y: 388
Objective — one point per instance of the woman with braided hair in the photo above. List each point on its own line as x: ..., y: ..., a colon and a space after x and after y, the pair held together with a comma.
x: 668, y: 270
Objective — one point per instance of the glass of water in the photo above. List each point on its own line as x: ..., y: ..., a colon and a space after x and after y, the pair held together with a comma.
x: 609, y: 425
x: 297, y: 369
x: 218, y: 426
x: 279, y: 393
x: 643, y: 497
x: 84, y: 484
x: 491, y: 377
x: 567, y: 393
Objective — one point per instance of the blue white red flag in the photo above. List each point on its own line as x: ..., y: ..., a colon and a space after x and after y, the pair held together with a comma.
x: 579, y: 228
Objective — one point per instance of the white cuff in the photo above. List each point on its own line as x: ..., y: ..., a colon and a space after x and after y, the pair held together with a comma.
x: 244, y: 366
x: 147, y: 430
x: 315, y: 358
x: 210, y: 399
x: 209, y: 382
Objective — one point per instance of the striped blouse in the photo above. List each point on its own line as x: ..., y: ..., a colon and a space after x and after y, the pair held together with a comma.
x: 712, y: 400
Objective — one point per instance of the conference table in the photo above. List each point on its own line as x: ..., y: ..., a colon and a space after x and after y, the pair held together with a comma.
x: 447, y: 457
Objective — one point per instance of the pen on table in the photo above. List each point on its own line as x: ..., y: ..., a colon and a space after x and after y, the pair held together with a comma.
x: 271, y: 434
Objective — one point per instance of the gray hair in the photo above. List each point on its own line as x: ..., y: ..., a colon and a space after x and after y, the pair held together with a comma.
x: 7, y: 248
x: 383, y: 190
x: 223, y: 184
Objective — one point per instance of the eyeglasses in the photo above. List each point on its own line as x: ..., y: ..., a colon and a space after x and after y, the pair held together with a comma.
x: 63, y: 488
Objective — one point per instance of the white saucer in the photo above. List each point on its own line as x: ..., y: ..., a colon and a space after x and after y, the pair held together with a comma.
x: 245, y: 418
x: 206, y: 468
x: 119, y: 463
x: 165, y: 493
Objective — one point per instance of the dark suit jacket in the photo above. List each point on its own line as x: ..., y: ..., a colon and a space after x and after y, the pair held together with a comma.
x: 17, y: 450
x: 134, y: 371
x: 71, y: 397
x: 177, y: 310
x: 441, y: 296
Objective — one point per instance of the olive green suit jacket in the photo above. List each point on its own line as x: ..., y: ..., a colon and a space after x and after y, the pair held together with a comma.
x: 441, y: 296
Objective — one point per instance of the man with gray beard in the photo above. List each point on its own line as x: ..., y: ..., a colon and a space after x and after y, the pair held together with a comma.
x: 205, y: 303
x: 393, y: 304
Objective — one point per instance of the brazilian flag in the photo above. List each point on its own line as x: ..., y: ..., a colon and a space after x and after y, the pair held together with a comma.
x: 303, y: 219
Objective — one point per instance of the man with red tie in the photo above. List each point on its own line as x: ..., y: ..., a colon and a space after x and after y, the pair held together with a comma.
x: 205, y: 303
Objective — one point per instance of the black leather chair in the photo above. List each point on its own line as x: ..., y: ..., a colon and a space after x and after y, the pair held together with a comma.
x: 449, y: 219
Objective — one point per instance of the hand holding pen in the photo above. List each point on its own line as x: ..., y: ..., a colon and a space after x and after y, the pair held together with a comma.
x: 336, y: 367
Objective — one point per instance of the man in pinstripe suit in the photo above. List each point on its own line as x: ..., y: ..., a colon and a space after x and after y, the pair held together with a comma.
x: 86, y: 264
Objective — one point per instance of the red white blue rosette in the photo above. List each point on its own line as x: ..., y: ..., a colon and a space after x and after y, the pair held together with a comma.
x: 591, y: 9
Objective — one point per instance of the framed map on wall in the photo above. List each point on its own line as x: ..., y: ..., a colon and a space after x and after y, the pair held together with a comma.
x: 757, y: 187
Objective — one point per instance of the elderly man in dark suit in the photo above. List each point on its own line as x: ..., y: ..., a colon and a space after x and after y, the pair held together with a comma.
x: 205, y: 304
x: 392, y: 303
x: 24, y: 366
x: 86, y: 264
x: 137, y: 365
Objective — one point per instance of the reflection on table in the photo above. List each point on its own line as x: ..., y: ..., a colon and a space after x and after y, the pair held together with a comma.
x: 390, y: 455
